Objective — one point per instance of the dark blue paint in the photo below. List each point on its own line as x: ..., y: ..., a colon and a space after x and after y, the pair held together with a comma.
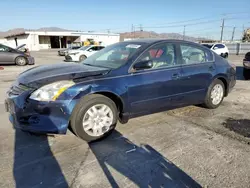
x: 140, y: 93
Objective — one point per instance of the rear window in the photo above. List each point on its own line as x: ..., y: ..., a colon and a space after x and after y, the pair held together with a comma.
x: 208, y: 45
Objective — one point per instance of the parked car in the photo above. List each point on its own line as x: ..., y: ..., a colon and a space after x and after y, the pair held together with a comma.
x: 246, y: 65
x: 122, y: 81
x: 16, y: 56
x: 82, y: 53
x: 218, y: 48
x: 63, y: 51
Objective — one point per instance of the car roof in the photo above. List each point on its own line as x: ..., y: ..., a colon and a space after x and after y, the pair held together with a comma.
x: 152, y: 41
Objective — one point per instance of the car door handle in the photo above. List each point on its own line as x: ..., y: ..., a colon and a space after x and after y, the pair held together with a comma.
x: 175, y: 76
x: 211, y: 68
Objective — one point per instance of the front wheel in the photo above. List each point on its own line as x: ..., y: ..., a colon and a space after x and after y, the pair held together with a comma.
x: 226, y: 55
x: 82, y: 58
x: 215, y: 94
x: 20, y: 61
x: 94, y: 117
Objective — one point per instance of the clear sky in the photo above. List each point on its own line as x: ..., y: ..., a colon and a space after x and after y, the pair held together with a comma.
x: 118, y: 16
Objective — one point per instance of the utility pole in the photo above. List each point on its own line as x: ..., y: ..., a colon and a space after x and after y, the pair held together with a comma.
x: 141, y: 29
x: 243, y: 32
x: 222, y: 29
x: 132, y: 30
x: 184, y: 32
x: 233, y: 34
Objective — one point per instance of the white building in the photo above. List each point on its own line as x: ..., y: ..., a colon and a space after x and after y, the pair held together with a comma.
x: 37, y: 40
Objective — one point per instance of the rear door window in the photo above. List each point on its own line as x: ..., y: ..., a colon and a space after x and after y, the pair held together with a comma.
x: 219, y: 46
x: 194, y: 55
x: 94, y: 48
x: 100, y: 47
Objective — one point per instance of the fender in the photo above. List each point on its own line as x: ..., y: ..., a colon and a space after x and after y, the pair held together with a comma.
x: 79, y: 91
x: 224, y: 79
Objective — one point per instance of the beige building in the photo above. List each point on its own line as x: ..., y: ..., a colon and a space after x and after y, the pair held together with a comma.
x: 37, y: 40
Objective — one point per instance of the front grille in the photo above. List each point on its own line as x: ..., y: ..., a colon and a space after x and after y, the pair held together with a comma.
x: 17, y: 89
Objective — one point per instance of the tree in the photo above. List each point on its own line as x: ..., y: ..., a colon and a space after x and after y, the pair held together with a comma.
x: 246, y: 36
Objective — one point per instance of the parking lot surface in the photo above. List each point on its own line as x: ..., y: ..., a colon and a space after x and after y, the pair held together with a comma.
x: 186, y: 147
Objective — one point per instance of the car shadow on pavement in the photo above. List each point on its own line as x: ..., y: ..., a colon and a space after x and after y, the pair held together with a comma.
x: 142, y: 165
x: 34, y: 162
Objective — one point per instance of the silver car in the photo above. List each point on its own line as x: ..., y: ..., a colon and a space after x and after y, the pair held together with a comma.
x: 16, y: 56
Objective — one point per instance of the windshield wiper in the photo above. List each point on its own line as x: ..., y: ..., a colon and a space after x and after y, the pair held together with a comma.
x: 95, y: 65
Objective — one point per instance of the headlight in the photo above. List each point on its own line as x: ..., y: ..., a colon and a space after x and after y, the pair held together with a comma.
x: 52, y: 91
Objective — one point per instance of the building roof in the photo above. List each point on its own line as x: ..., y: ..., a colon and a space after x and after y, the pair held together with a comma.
x: 59, y: 33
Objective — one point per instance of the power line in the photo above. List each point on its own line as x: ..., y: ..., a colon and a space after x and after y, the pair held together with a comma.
x: 197, y: 23
x: 180, y: 25
x: 197, y: 19
x: 205, y: 29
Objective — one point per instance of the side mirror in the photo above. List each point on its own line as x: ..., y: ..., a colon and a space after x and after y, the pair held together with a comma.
x: 90, y: 50
x: 215, y: 48
x: 143, y: 65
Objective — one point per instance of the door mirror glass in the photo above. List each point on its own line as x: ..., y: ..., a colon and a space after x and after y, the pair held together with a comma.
x: 143, y: 65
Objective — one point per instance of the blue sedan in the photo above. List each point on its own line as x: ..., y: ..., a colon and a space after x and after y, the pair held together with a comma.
x: 122, y: 81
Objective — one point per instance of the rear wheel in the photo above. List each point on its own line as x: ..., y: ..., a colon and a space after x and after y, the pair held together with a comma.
x: 21, y: 61
x: 94, y: 117
x: 82, y: 58
x: 215, y: 94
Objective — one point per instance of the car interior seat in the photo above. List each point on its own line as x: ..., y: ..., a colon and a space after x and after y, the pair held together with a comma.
x: 196, y: 57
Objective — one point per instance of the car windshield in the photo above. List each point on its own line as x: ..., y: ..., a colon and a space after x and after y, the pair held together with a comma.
x: 208, y: 45
x: 84, y: 48
x: 113, y: 56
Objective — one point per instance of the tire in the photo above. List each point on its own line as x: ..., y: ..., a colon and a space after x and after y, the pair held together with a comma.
x: 209, y: 103
x: 82, y: 58
x: 246, y: 73
x: 80, y: 113
x: 20, y: 61
x: 226, y: 55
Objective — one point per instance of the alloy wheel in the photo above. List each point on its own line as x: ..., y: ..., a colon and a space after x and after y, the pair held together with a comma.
x: 217, y: 94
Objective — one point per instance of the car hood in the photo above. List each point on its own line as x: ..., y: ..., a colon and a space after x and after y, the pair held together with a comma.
x: 74, y: 51
x: 42, y: 75
x: 18, y: 47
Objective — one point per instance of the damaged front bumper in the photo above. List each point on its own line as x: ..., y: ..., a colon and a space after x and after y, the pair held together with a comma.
x: 39, y: 117
x: 31, y: 60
